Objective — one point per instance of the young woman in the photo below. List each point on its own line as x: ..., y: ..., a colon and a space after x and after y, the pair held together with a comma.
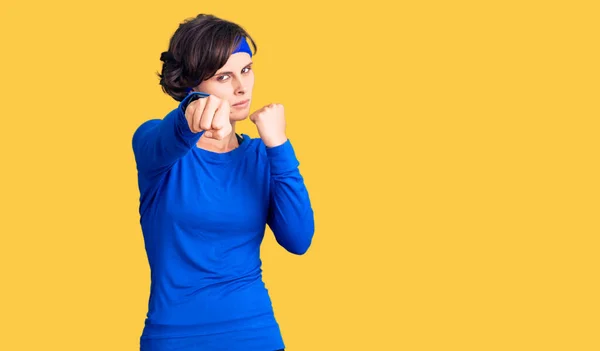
x: 207, y: 194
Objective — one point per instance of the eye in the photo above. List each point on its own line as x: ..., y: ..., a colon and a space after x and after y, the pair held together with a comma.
x: 222, y: 78
x: 247, y: 69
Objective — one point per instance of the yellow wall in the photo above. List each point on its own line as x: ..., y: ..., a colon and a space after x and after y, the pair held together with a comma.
x: 450, y: 149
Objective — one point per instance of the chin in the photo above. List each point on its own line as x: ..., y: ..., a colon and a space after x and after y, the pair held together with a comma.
x: 240, y: 116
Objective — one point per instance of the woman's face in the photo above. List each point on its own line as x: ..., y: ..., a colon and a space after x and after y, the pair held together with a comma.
x: 234, y: 83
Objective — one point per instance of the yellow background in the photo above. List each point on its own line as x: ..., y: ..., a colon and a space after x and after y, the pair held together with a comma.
x: 450, y: 149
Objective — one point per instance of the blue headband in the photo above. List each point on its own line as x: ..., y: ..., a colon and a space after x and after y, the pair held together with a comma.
x: 241, y: 47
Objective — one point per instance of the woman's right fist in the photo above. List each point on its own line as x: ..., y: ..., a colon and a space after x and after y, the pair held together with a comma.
x: 210, y: 115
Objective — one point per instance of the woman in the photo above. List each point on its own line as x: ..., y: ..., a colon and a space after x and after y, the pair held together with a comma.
x: 208, y: 193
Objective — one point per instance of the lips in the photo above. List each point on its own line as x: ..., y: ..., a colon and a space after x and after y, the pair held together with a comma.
x: 243, y: 102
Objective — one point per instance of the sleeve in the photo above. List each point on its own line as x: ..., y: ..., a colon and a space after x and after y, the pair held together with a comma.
x: 158, y: 144
x: 291, y: 216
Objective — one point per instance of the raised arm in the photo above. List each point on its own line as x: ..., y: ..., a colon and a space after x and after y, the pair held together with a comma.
x: 291, y: 216
x: 158, y: 144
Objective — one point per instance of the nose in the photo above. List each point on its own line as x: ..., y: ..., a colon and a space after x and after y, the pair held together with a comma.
x: 239, y: 87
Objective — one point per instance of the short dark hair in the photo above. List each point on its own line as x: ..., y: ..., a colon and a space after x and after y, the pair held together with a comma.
x: 197, y: 50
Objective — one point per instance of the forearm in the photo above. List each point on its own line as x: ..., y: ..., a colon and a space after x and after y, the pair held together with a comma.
x: 291, y: 216
x: 158, y: 144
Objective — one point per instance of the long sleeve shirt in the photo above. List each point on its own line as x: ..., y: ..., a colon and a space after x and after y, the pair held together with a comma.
x: 203, y: 216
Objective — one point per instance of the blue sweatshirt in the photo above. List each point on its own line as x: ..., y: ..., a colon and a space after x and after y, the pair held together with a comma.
x: 203, y: 216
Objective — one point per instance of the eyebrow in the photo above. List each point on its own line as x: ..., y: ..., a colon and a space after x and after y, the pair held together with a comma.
x: 229, y: 72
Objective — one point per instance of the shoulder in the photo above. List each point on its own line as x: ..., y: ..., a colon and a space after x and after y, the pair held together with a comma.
x: 144, y: 126
x: 255, y: 143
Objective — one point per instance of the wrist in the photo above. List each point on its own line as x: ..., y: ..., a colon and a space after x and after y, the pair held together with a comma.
x: 274, y: 142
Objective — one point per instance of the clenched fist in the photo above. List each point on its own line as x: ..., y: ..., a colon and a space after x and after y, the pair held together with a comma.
x: 210, y: 115
x: 270, y: 122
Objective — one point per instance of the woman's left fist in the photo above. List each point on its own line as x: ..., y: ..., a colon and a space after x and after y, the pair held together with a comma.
x: 270, y: 122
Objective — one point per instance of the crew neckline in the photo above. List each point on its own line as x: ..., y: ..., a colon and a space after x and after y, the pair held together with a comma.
x: 224, y: 156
